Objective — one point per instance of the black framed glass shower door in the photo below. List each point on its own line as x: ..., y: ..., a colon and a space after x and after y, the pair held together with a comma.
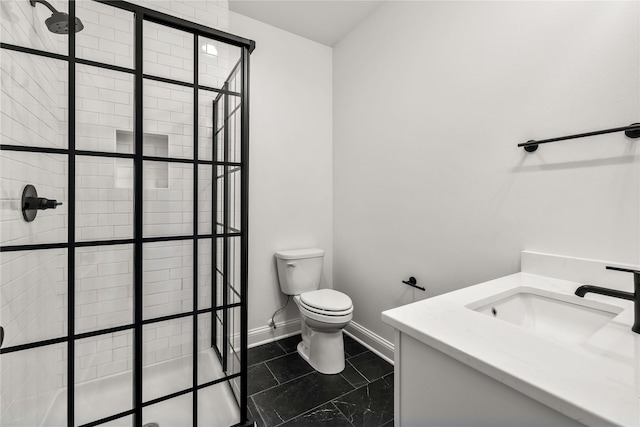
x: 126, y: 304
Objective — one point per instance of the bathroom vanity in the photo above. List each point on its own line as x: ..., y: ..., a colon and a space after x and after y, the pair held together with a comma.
x: 521, y: 350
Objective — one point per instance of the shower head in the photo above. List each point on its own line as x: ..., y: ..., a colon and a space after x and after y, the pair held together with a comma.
x: 58, y: 22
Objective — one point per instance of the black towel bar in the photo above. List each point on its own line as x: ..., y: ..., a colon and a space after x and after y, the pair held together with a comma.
x: 632, y: 131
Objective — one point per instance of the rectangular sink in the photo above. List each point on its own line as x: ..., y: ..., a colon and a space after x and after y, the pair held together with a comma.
x: 566, y: 318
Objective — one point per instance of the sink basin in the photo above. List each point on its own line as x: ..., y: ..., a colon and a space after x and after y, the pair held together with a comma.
x: 566, y: 318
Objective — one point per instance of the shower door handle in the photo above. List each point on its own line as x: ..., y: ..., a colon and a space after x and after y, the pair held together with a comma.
x: 1, y: 335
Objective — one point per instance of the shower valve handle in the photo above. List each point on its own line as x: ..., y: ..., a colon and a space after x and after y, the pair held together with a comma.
x: 41, y: 203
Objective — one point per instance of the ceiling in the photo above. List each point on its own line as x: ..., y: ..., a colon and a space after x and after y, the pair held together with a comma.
x: 324, y: 21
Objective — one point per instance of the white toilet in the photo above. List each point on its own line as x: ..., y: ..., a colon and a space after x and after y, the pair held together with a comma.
x: 323, y: 312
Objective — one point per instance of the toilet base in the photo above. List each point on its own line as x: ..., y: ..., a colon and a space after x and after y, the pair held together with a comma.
x: 325, y: 352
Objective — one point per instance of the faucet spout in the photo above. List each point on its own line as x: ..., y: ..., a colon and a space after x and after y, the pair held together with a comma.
x: 585, y: 289
x: 635, y: 296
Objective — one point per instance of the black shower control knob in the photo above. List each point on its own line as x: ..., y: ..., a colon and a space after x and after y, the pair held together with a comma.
x: 31, y: 203
x: 47, y: 204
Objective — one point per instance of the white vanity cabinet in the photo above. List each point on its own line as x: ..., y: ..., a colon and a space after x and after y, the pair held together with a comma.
x: 434, y: 389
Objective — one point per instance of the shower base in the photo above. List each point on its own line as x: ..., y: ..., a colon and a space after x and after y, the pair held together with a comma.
x: 107, y: 396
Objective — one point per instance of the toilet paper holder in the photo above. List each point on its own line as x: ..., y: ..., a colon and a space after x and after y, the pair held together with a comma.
x: 413, y: 282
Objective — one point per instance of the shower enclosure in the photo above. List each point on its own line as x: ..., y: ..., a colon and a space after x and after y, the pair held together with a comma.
x: 123, y: 220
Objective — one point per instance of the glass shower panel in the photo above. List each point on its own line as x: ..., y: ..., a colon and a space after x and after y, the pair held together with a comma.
x: 235, y: 199
x: 104, y: 198
x: 104, y: 287
x: 216, y: 60
x: 23, y: 25
x: 235, y: 355
x: 209, y: 368
x: 33, y: 384
x: 205, y: 285
x: 48, y: 174
x: 33, y: 95
x: 220, y: 190
x: 107, y: 35
x: 34, y: 296
x: 168, y: 120
x: 205, y: 199
x: 167, y: 278
x: 233, y: 270
x: 103, y: 376
x: 104, y: 110
x: 168, y: 52
x: 167, y: 358
x: 220, y: 129
x: 217, y: 407
x: 168, y: 199
x: 206, y: 111
x: 175, y: 412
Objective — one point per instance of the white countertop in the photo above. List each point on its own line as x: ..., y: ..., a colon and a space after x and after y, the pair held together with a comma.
x: 596, y: 382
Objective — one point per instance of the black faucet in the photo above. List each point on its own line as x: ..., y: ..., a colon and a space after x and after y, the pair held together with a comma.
x: 635, y: 296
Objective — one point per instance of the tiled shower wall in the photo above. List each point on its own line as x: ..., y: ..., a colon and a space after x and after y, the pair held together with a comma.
x: 34, y: 112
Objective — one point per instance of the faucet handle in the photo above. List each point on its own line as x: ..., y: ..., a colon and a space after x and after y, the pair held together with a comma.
x: 626, y: 270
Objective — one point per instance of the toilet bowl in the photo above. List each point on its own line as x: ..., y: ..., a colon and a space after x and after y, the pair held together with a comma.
x: 323, y: 315
x: 323, y: 312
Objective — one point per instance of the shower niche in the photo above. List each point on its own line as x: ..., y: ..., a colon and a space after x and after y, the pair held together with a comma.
x: 154, y: 145
x: 125, y: 305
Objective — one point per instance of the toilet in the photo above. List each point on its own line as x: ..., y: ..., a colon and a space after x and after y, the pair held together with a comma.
x: 323, y: 312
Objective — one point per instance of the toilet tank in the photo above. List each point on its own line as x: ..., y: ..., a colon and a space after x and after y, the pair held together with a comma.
x: 299, y: 270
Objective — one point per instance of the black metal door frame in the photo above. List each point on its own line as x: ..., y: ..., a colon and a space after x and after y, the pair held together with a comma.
x: 142, y: 14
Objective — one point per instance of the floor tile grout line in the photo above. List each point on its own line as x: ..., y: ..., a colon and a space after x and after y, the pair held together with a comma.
x: 356, y: 386
x: 286, y: 382
x: 363, y: 375
x: 269, y: 360
x: 343, y: 414
x: 272, y: 374
x: 259, y: 411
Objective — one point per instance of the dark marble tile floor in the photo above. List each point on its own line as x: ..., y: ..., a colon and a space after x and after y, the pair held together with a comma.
x: 285, y: 391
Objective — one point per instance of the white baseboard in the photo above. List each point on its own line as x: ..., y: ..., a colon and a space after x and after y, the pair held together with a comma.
x: 371, y: 340
x: 266, y: 334
x: 364, y: 336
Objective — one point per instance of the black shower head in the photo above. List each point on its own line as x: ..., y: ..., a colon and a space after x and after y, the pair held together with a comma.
x: 58, y: 22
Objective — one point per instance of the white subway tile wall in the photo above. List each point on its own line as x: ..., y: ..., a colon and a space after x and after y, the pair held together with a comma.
x: 34, y: 113
x: 165, y: 341
x: 105, y: 356
x: 30, y: 381
x: 23, y: 25
x: 168, y: 212
x: 107, y: 35
x: 167, y: 278
x: 204, y: 273
x: 34, y: 100
x: 205, y: 199
x: 33, y: 303
x: 167, y: 52
x: 104, y: 107
x: 48, y: 173
x: 104, y: 211
x: 104, y: 287
x: 168, y: 110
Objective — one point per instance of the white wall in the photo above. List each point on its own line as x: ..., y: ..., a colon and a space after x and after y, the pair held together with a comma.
x: 290, y: 158
x: 430, y: 100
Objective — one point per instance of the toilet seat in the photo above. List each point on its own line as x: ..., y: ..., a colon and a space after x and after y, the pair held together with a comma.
x: 325, y: 306
x: 326, y: 300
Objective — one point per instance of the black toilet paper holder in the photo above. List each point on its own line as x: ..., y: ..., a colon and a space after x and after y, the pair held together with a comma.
x: 413, y: 282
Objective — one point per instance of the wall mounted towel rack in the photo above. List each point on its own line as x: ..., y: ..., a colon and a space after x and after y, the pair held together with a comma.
x: 632, y: 131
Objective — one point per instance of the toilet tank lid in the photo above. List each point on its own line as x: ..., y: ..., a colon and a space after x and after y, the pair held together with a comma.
x: 300, y: 253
